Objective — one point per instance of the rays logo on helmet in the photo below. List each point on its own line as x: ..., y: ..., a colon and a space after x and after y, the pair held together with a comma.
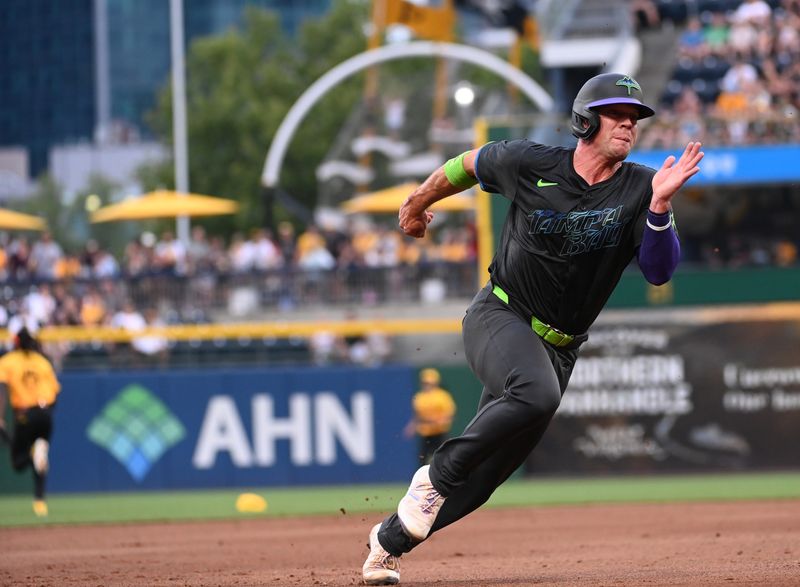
x: 629, y: 83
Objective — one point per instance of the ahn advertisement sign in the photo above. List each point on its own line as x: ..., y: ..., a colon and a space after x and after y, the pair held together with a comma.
x: 218, y: 428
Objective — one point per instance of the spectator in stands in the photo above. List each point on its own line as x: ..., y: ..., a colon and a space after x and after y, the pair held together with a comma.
x: 364, y: 237
x: 218, y: 259
x: 310, y: 241
x: 241, y: 254
x: 315, y: 256
x: 153, y: 348
x: 716, y: 34
x: 3, y: 258
x: 328, y: 348
x: 67, y: 312
x: 742, y: 39
x: 689, y: 111
x: 40, y: 304
x: 129, y: 320
x: 68, y: 267
x: 93, y: 308
x: 346, y: 284
x: 692, y: 42
x: 335, y: 239
x: 170, y: 254
x: 137, y: 258
x: 368, y: 349
x: 198, y: 251
x: 266, y: 256
x: 788, y: 37
x: 287, y: 244
x: 19, y: 259
x: 756, y: 12
x: 742, y: 98
x: 386, y: 250
x: 88, y: 257
x: 106, y: 265
x: 779, y: 85
x: 454, y: 247
x: 44, y: 256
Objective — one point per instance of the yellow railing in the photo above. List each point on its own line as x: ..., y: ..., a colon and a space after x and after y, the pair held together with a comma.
x: 398, y: 327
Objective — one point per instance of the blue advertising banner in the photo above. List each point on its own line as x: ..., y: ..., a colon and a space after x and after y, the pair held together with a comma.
x: 735, y: 165
x: 196, y: 429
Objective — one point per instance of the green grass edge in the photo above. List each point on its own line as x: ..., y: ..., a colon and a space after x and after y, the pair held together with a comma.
x: 100, y: 508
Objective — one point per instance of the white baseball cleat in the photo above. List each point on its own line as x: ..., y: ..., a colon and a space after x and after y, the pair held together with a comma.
x: 39, y: 455
x: 419, y: 507
x: 380, y: 568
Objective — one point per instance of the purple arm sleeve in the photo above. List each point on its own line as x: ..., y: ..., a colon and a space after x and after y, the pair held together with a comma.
x: 660, y: 251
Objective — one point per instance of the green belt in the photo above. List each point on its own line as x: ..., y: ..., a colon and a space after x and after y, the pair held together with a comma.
x: 552, y: 335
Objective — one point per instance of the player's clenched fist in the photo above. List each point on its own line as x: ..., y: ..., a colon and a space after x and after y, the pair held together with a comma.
x: 414, y: 223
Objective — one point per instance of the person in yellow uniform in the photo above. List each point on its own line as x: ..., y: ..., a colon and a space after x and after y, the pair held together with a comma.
x: 28, y: 380
x: 434, y: 410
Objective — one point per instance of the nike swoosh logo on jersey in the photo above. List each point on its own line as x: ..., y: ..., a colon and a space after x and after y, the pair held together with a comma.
x: 543, y: 184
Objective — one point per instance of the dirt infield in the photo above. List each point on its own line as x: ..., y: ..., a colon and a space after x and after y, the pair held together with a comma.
x: 738, y: 543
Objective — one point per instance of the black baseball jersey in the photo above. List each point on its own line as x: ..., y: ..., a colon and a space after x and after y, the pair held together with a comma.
x: 564, y: 243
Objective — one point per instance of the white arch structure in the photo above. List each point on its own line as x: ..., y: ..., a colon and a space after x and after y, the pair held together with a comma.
x: 277, y: 150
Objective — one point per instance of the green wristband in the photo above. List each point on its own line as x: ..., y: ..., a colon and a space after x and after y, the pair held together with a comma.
x: 457, y: 175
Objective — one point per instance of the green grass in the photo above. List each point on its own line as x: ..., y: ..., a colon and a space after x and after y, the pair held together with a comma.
x: 207, y: 505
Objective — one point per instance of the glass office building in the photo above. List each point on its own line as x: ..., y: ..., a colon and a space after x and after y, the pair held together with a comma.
x: 67, y: 66
x: 46, y: 75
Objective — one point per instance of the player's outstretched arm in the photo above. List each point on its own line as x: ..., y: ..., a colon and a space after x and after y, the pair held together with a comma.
x: 452, y: 178
x: 660, y: 249
x: 672, y: 175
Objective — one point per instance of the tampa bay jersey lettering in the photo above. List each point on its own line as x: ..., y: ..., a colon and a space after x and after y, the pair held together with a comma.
x: 584, y: 231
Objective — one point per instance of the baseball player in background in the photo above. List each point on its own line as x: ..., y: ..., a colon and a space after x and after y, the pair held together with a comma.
x: 577, y: 218
x: 434, y: 410
x: 28, y: 379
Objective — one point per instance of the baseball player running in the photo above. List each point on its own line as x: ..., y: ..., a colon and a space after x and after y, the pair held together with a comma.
x: 28, y: 378
x: 577, y: 218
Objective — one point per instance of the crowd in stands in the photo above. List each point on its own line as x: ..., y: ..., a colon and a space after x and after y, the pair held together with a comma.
x: 365, y: 245
x: 165, y: 280
x: 162, y: 281
x: 737, y: 77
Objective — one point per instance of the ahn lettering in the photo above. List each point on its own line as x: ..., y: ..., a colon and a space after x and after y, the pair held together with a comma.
x: 314, y: 426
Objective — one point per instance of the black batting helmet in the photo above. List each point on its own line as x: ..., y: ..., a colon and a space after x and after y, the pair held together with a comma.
x: 601, y: 90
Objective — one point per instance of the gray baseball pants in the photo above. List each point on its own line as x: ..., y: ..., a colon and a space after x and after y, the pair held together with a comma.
x: 524, y: 379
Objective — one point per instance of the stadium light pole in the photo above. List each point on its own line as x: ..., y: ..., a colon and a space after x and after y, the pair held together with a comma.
x: 179, y: 134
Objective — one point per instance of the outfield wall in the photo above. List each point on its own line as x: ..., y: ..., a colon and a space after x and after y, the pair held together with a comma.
x: 220, y: 428
x: 704, y: 390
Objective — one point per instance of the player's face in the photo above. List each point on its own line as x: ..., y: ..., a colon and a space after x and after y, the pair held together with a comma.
x: 618, y: 130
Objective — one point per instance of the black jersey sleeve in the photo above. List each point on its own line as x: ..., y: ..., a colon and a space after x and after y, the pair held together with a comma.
x: 641, y: 220
x: 643, y: 177
x: 497, y: 167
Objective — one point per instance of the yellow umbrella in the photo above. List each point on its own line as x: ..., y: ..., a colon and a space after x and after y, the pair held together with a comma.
x: 10, y: 220
x: 390, y: 200
x: 165, y: 204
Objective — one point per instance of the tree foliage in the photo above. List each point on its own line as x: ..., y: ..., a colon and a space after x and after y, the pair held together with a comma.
x: 241, y: 84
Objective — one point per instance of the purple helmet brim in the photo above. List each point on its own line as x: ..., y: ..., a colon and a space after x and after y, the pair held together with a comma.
x: 644, y: 110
